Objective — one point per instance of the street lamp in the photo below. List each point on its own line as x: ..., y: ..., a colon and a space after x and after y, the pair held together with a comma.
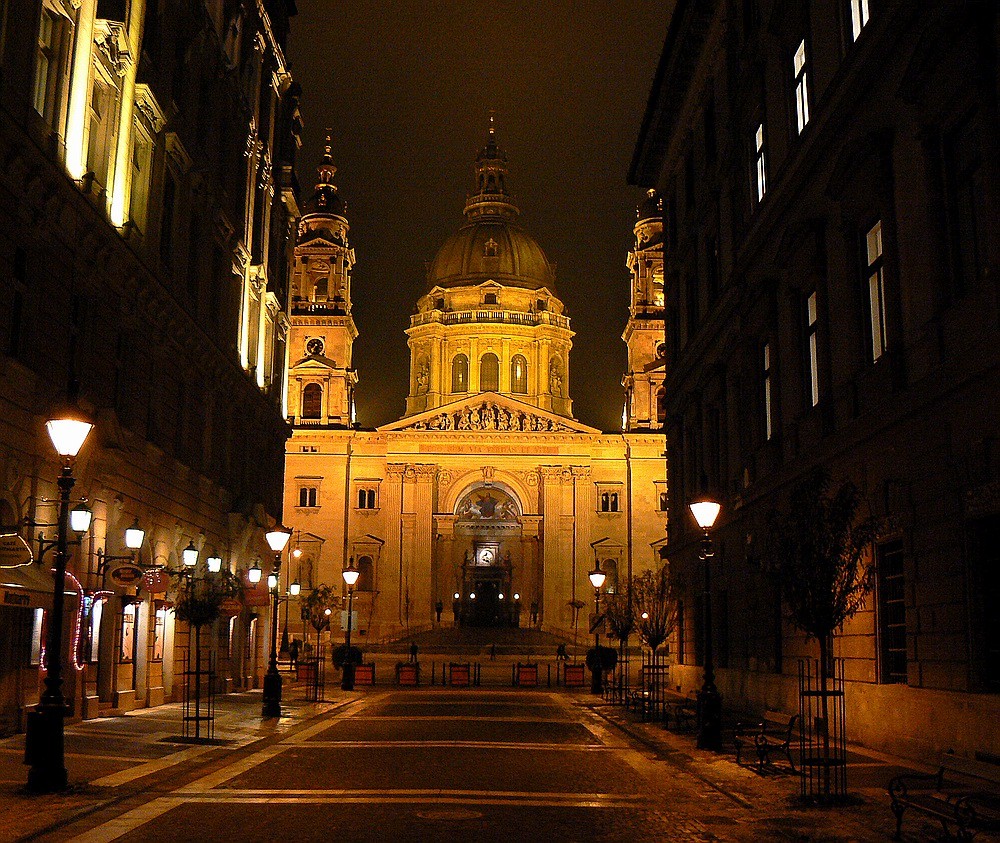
x: 45, y: 738
x: 351, y: 575
x: 709, y: 700
x: 597, y: 578
x: 190, y: 555
x: 254, y: 573
x: 276, y: 540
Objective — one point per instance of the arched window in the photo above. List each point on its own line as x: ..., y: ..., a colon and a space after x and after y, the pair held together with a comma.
x: 366, y: 579
x: 312, y: 401
x: 489, y: 373
x: 519, y: 375
x: 460, y: 373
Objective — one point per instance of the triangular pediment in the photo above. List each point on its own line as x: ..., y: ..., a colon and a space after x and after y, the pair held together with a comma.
x: 490, y: 412
x: 314, y: 361
x: 318, y: 243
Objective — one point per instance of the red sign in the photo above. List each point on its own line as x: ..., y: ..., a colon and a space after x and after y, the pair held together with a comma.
x: 126, y: 575
x: 255, y: 595
x: 157, y: 581
x: 231, y: 607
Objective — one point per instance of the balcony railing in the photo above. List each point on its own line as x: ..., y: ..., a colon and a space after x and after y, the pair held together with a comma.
x: 506, y: 317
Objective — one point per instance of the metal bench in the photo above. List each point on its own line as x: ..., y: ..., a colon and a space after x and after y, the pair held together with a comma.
x: 772, y: 733
x: 683, y: 711
x: 963, y: 794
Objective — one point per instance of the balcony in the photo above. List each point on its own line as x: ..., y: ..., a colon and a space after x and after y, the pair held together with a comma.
x: 504, y: 317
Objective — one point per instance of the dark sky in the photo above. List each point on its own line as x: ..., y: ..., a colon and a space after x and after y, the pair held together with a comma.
x: 407, y: 86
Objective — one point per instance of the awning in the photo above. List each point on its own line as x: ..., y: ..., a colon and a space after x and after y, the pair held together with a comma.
x: 28, y: 586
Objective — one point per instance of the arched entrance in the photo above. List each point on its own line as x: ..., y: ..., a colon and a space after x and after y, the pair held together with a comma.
x: 488, y: 529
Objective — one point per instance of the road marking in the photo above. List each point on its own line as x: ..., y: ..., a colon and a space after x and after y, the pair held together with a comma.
x: 491, y: 745
x: 155, y: 766
x: 233, y: 770
x: 129, y: 821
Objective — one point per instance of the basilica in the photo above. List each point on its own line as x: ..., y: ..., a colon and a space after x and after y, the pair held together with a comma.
x: 487, y: 503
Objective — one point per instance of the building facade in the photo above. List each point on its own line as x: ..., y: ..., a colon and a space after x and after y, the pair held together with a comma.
x: 487, y: 503
x: 829, y: 173
x: 147, y: 201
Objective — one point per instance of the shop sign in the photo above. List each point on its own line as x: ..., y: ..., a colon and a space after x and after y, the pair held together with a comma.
x: 126, y: 575
x: 157, y: 581
x: 14, y: 551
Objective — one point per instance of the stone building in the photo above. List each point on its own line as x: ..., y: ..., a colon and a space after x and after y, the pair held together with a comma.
x: 829, y: 173
x: 487, y: 501
x: 146, y: 198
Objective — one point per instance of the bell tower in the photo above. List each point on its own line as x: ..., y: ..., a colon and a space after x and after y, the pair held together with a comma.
x: 644, y: 333
x: 321, y: 379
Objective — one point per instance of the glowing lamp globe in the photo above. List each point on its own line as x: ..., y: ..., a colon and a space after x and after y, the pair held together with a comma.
x: 214, y: 564
x: 254, y: 573
x: 705, y: 512
x: 351, y: 575
x: 134, y: 536
x: 277, y: 538
x: 295, y: 588
x: 272, y: 580
x: 190, y: 555
x: 597, y: 578
x: 68, y: 431
x: 79, y: 519
x: 457, y: 595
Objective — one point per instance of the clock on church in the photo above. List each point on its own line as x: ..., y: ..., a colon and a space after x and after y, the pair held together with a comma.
x: 315, y: 346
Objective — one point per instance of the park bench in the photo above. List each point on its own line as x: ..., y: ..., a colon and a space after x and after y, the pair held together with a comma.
x: 683, y: 711
x: 364, y: 674
x: 963, y: 794
x: 772, y: 733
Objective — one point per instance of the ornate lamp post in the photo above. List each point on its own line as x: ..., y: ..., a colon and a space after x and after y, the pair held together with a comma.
x: 44, y: 746
x: 709, y: 700
x: 351, y: 575
x: 597, y: 578
x: 276, y: 540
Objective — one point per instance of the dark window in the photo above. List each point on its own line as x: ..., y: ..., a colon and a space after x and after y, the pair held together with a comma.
x: 308, y: 496
x: 966, y: 201
x: 540, y: 305
x: 710, y: 137
x: 489, y: 373
x: 439, y: 305
x: 891, y: 612
x: 661, y: 406
x: 167, y: 220
x: 312, y: 401
x: 984, y: 551
x: 721, y: 632
x: 663, y: 502
x: 681, y: 634
x: 366, y: 498
x: 490, y: 298
x: 366, y: 575
x: 699, y: 630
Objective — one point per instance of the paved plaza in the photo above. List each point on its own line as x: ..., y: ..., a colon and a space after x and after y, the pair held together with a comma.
x: 424, y: 764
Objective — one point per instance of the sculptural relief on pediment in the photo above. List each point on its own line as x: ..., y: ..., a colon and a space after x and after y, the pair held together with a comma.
x: 490, y: 416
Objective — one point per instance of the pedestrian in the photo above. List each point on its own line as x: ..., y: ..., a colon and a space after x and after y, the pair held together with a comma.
x: 413, y: 652
x: 561, y: 652
x: 493, y: 651
x: 439, y: 608
x: 293, y: 653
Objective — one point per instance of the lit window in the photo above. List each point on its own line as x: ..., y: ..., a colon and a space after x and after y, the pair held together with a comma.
x: 142, y: 157
x: 51, y: 69
x: 37, y: 624
x: 159, y: 630
x: 460, y: 373
x: 102, y: 129
x: 308, y: 496
x: 127, y: 653
x: 801, y: 86
x: 876, y: 288
x: 768, y: 418
x: 760, y: 161
x: 859, y: 17
x: 812, y: 350
x: 94, y: 636
x: 519, y: 374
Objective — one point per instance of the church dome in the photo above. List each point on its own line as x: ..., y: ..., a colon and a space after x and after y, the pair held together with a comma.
x: 490, y: 245
x: 324, y: 214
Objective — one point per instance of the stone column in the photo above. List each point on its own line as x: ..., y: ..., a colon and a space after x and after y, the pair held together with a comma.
x: 420, y: 579
x: 390, y: 609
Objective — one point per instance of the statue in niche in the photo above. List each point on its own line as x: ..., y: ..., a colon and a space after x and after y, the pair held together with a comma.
x: 423, y: 376
x: 555, y: 376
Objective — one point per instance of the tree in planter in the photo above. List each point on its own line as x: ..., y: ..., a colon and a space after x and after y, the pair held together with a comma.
x: 318, y: 605
x: 620, y: 615
x: 815, y: 552
x: 655, y: 607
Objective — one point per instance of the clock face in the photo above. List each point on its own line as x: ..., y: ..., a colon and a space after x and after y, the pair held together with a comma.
x: 485, y: 556
x: 661, y: 350
x: 315, y: 346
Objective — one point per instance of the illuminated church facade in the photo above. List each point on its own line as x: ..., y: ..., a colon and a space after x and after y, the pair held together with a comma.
x: 487, y: 503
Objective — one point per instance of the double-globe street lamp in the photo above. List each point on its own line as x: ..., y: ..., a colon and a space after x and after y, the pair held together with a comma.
x: 709, y: 700
x: 351, y: 575
x: 597, y: 578
x: 276, y: 540
x: 45, y: 734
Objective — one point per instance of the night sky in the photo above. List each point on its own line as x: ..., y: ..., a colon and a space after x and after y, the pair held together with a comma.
x: 407, y: 87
